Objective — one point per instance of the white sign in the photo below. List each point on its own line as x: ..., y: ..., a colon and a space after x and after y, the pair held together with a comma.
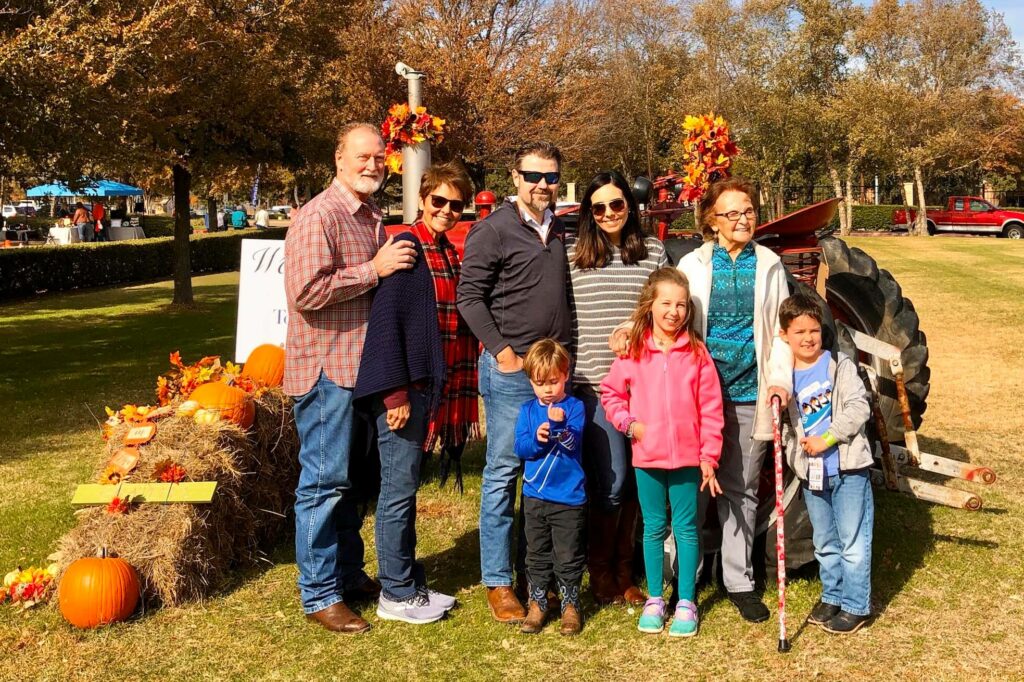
x: 262, y: 306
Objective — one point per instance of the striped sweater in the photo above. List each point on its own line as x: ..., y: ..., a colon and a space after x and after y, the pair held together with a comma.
x: 599, y: 300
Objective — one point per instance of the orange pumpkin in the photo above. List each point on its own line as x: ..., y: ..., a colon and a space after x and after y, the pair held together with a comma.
x: 265, y: 365
x: 98, y: 590
x: 234, y: 404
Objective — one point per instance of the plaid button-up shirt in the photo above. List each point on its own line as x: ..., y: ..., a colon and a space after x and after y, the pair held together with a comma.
x: 329, y: 279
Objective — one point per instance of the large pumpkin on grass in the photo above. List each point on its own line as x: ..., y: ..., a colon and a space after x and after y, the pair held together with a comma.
x: 234, y: 404
x: 95, y: 591
x: 265, y: 365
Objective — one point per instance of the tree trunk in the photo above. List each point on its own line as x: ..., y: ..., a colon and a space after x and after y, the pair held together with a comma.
x: 182, y: 230
x: 848, y: 208
x: 922, y: 216
x: 837, y: 187
x: 211, y: 213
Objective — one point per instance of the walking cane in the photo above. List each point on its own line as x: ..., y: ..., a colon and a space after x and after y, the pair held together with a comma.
x: 780, y: 531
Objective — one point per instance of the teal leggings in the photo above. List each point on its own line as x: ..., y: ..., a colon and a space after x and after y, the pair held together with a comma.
x: 678, y: 488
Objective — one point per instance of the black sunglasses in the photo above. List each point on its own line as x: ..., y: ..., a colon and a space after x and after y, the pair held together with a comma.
x: 615, y: 206
x: 534, y: 177
x: 440, y: 202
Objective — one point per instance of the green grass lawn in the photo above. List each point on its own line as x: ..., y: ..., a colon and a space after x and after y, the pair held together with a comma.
x: 949, y: 584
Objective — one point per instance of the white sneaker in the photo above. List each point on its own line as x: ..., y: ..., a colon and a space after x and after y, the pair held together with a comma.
x: 417, y: 609
x: 445, y: 601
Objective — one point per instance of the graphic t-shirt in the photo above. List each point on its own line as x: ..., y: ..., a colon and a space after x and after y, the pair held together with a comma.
x: 813, y: 390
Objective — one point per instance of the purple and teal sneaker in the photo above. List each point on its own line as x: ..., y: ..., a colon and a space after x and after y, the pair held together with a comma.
x: 685, y: 622
x: 652, y: 619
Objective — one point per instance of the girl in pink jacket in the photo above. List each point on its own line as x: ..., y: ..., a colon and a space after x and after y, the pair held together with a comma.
x: 666, y: 398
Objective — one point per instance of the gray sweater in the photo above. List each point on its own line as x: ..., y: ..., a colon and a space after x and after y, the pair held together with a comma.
x: 512, y: 288
x: 850, y: 412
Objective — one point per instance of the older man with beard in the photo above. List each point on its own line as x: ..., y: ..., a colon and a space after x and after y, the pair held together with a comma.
x: 512, y: 293
x: 335, y: 254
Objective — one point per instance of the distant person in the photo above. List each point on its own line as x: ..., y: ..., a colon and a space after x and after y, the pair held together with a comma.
x: 220, y: 219
x: 831, y: 454
x: 99, y: 214
x: 239, y: 221
x: 82, y: 222
x: 262, y: 219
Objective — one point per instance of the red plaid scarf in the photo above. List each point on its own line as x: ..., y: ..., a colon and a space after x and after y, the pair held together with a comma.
x: 456, y: 418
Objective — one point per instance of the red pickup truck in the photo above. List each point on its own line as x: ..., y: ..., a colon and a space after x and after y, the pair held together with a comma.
x: 968, y: 214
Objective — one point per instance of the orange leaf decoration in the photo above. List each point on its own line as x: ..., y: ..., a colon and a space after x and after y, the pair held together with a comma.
x: 169, y: 472
x: 402, y: 127
x: 119, y: 505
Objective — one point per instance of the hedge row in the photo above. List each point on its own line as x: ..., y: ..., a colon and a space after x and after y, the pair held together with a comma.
x: 866, y: 218
x: 26, y: 271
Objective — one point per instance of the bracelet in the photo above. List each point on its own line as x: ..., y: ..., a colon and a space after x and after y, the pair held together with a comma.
x: 829, y: 438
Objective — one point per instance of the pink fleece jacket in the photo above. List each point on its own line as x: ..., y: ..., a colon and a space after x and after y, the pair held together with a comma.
x: 676, y: 395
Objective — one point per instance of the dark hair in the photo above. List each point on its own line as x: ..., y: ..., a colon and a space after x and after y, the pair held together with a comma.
x: 593, y: 248
x: 544, y: 358
x: 544, y: 150
x: 451, y: 173
x: 710, y: 198
x: 643, y: 319
x: 797, y: 305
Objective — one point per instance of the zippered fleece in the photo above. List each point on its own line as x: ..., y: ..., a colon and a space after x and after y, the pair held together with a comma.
x: 676, y: 396
x: 774, y: 358
x: 850, y: 412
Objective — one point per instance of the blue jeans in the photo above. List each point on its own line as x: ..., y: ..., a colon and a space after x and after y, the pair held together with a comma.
x: 843, y: 517
x: 606, y: 454
x: 401, y: 453
x: 328, y: 548
x: 503, y: 395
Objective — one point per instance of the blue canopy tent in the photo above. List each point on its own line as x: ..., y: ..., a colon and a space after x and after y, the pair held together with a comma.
x: 97, y: 188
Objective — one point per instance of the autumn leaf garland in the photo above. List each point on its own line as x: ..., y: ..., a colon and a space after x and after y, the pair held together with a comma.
x: 402, y: 127
x: 708, y: 151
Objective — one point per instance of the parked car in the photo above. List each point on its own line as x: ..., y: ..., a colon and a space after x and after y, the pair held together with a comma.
x: 28, y: 203
x: 968, y: 215
x: 9, y: 211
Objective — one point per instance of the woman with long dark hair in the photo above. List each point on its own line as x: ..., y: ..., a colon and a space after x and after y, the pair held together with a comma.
x: 610, y: 259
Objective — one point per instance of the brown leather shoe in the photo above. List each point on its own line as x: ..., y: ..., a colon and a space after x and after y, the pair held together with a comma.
x: 339, y: 618
x: 368, y: 591
x: 624, y: 539
x: 572, y: 621
x: 535, y: 619
x: 505, y: 607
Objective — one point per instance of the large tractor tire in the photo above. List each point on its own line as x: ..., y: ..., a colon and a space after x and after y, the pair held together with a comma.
x: 869, y: 299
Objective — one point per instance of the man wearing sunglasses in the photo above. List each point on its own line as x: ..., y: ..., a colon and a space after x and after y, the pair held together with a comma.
x: 512, y: 293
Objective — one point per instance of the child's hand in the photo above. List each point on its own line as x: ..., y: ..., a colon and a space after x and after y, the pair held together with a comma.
x: 707, y: 479
x: 618, y: 342
x: 814, y: 445
x: 543, y: 431
x: 556, y: 414
x: 638, y: 431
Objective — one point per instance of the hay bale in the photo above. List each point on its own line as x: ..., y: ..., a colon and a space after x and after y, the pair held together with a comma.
x: 184, y: 552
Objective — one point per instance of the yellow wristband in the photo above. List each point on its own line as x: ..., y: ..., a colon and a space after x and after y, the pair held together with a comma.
x: 829, y: 438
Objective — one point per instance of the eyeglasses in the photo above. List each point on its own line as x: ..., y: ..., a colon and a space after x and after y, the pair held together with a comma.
x: 615, y: 206
x: 439, y: 202
x: 533, y: 177
x: 734, y: 216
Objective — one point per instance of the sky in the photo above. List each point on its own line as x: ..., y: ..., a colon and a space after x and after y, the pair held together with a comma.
x: 1013, y: 15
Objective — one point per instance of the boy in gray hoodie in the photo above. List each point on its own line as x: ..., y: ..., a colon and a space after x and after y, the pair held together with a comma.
x: 827, y: 448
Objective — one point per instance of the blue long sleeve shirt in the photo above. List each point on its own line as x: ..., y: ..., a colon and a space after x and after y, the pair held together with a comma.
x: 553, y: 470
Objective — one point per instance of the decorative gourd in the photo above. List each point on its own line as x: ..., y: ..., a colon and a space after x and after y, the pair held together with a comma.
x: 265, y: 365
x: 188, y: 408
x: 95, y: 591
x: 234, y: 404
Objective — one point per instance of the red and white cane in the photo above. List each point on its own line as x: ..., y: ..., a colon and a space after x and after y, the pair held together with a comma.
x: 780, y: 531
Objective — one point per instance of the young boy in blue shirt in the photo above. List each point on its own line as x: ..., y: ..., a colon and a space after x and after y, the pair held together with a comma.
x: 827, y: 448
x: 548, y: 437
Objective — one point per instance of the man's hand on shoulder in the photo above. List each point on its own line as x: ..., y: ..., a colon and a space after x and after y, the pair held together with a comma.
x: 394, y: 256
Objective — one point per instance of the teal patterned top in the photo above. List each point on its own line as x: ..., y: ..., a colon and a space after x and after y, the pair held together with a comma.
x: 730, y: 332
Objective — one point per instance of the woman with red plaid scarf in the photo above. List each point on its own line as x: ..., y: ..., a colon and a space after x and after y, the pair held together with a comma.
x: 445, y: 191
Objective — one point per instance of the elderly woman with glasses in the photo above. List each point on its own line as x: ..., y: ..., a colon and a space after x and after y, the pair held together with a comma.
x: 736, y: 287
x: 610, y: 259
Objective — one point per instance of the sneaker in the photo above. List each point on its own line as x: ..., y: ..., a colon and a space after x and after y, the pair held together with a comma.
x: 445, y: 601
x: 749, y: 606
x: 822, y: 613
x: 844, y: 623
x: 652, y: 619
x: 685, y: 622
x: 416, y: 609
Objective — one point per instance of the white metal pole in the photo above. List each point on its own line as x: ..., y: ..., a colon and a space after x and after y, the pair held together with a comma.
x: 415, y: 158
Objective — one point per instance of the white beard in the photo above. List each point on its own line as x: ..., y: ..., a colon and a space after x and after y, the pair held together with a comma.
x: 365, y: 185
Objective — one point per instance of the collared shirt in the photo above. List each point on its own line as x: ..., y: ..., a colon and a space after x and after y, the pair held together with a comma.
x: 329, y: 280
x: 730, y: 332
x: 542, y: 227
